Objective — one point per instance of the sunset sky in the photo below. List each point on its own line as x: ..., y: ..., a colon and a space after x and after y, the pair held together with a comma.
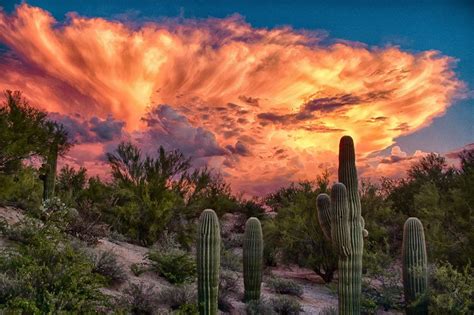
x: 259, y: 92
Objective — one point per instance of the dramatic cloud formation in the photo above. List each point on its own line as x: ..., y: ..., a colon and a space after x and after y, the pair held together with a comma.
x: 264, y: 106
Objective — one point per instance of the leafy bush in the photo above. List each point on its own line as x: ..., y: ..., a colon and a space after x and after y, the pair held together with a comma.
x: 23, y: 189
x: 140, y: 299
x: 138, y: 269
x: 106, y: 264
x: 180, y: 298
x: 285, y: 305
x: 285, y: 286
x: 46, y: 274
x: 451, y: 290
x: 259, y: 307
x: 177, y: 266
x: 295, y: 231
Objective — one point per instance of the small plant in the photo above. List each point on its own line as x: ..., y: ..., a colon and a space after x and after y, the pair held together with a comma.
x: 140, y: 299
x: 176, y: 266
x: 106, y: 264
x: 285, y: 286
x: 259, y: 307
x: 179, y: 297
x: 253, y: 259
x: 286, y: 305
x: 138, y: 268
x: 452, y: 290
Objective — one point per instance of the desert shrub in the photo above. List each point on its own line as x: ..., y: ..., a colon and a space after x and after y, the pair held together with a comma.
x: 177, y: 266
x: 228, y: 286
x: 295, y: 231
x: 107, y: 265
x: 328, y: 311
x: 285, y: 286
x: 452, y: 291
x: 140, y: 299
x: 179, y: 298
x: 48, y: 275
x: 286, y: 305
x: 382, y: 287
x: 230, y: 260
x: 138, y: 268
x: 23, y: 189
x: 259, y: 307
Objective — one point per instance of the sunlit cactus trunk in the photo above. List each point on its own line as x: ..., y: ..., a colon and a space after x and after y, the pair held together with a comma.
x: 253, y: 259
x: 208, y: 262
x: 341, y: 222
x: 415, y: 274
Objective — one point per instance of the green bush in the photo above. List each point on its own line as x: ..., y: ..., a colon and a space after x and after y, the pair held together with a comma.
x: 107, y: 265
x: 23, y: 189
x: 138, y: 268
x: 285, y: 305
x: 46, y: 274
x: 295, y: 234
x: 285, y: 286
x: 176, y: 266
x: 451, y: 291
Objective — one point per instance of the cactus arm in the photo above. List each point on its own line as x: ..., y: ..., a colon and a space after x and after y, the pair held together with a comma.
x: 323, y: 204
x: 340, y: 230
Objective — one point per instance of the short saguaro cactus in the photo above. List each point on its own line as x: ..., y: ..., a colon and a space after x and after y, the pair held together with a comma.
x: 208, y: 262
x: 415, y: 270
x: 253, y: 259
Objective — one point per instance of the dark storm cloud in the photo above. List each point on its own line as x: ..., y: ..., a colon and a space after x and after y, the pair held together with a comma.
x: 94, y: 130
x: 172, y: 130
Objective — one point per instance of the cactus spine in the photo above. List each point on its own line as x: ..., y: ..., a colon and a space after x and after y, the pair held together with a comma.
x: 253, y: 259
x: 340, y: 218
x: 208, y: 262
x: 415, y: 277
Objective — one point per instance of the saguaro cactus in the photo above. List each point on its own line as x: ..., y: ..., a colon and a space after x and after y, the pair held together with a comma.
x: 49, y: 172
x: 415, y: 274
x: 340, y: 218
x: 208, y: 262
x: 253, y: 259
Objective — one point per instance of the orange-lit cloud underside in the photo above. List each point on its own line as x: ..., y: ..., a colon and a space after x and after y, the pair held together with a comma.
x: 274, y: 101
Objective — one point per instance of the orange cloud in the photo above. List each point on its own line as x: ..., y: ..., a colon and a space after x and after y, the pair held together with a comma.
x: 279, y: 95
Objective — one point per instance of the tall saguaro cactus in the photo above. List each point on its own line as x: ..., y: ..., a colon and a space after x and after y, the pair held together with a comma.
x: 415, y: 274
x: 341, y: 221
x: 208, y: 262
x: 253, y: 259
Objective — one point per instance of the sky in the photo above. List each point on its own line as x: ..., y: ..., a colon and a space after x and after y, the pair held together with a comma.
x: 260, y: 91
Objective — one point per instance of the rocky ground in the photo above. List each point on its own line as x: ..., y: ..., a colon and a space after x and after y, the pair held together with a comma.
x: 316, y: 295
